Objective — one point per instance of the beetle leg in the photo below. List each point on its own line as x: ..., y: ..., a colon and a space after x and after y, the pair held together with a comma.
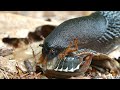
x: 64, y: 53
x: 106, y: 63
x: 69, y: 49
x: 86, y: 64
x: 42, y: 57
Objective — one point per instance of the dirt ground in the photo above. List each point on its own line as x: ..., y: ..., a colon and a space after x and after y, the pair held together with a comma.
x: 15, y: 50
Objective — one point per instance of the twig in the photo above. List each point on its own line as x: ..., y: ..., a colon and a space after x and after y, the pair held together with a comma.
x: 4, y: 73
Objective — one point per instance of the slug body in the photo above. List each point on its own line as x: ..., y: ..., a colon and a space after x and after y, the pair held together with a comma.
x: 99, y: 32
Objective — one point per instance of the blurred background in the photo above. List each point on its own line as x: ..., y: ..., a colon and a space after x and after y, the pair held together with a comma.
x: 20, y: 23
x: 55, y: 15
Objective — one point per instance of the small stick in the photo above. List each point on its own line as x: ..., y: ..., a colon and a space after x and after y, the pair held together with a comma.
x: 33, y: 53
x: 4, y: 73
